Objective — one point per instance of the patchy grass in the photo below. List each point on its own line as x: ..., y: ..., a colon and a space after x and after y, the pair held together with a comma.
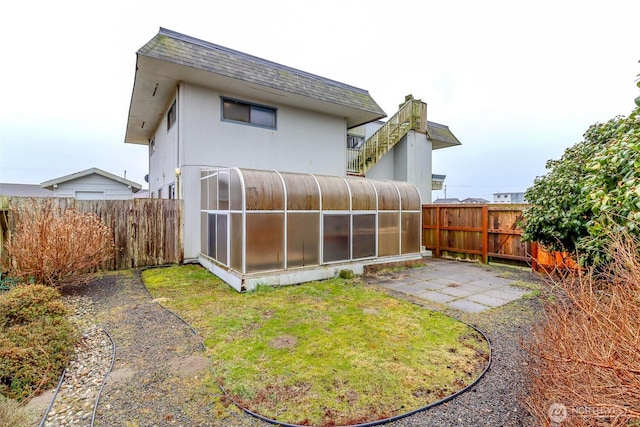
x: 14, y: 415
x: 326, y: 353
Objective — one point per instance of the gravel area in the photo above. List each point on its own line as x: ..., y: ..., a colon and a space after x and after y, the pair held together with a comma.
x: 157, y: 377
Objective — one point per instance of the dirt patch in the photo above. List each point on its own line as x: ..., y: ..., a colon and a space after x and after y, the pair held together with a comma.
x: 372, y: 311
x: 189, y: 365
x: 121, y: 374
x: 283, y: 341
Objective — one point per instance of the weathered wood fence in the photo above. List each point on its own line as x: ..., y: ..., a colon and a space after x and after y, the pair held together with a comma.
x: 146, y: 232
x: 481, y: 232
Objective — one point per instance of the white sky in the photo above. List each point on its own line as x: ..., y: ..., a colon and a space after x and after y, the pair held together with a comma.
x: 517, y: 82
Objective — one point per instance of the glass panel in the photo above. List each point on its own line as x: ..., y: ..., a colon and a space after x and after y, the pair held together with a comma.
x: 263, y: 116
x: 363, y: 195
x: 364, y: 236
x: 388, y: 234
x: 410, y: 197
x: 221, y: 242
x: 235, y: 190
x: 203, y: 233
x: 411, y: 228
x: 235, y: 238
x: 204, y: 193
x: 211, y: 245
x: 265, y: 241
x: 336, y: 237
x: 387, y: 196
x: 223, y: 190
x: 335, y: 194
x: 302, y: 192
x: 264, y: 190
x: 213, y: 192
x: 303, y: 230
x: 235, y: 111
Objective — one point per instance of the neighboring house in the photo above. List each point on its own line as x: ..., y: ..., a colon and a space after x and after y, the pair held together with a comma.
x: 24, y: 190
x: 449, y: 201
x: 517, y: 197
x: 437, y: 181
x: 198, y: 105
x: 92, y: 184
x: 474, y: 201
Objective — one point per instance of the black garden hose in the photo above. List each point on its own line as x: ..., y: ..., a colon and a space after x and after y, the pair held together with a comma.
x: 53, y: 399
x: 104, y: 380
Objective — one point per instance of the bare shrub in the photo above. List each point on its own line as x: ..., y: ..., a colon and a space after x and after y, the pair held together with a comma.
x: 53, y: 246
x: 584, y: 365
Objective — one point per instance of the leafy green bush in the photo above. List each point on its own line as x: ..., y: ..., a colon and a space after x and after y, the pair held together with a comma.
x: 36, y: 340
x: 594, y: 187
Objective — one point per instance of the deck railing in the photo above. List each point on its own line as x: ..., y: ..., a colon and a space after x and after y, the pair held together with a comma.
x: 412, y: 115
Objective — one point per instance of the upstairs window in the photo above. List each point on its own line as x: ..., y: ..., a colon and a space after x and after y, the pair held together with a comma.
x: 252, y: 114
x: 171, y: 116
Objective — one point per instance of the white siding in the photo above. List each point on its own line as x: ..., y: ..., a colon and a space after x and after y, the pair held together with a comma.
x: 93, y: 187
x: 303, y: 142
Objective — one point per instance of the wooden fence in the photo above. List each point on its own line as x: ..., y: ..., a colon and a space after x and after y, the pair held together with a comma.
x: 481, y: 232
x: 146, y: 232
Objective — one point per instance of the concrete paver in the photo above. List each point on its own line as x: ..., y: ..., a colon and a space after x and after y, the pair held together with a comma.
x: 461, y: 285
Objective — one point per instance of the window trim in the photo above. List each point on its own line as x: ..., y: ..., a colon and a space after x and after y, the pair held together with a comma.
x: 248, y: 104
x: 172, y: 115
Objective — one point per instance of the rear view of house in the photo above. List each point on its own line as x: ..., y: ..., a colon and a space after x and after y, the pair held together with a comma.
x: 201, y: 107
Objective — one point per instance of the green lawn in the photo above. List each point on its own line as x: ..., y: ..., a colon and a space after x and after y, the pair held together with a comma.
x: 325, y: 353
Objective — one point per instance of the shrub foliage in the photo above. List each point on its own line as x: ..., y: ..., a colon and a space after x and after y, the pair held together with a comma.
x: 36, y: 340
x: 53, y: 246
x: 594, y: 187
x: 585, y: 355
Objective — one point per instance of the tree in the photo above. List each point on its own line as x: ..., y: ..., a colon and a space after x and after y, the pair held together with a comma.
x: 593, y: 189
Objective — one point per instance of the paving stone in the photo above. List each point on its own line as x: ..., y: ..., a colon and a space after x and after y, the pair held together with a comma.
x: 436, y: 296
x: 458, y: 291
x: 491, y: 301
x: 469, y: 306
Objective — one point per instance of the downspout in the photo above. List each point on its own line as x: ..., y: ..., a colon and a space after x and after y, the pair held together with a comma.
x: 179, y: 119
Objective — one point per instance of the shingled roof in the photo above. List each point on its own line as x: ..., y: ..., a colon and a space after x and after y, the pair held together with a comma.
x: 265, y: 77
x: 441, y: 136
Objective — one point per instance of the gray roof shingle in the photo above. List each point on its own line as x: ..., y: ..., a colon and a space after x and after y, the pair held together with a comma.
x: 181, y: 49
x: 441, y: 135
x: 24, y: 190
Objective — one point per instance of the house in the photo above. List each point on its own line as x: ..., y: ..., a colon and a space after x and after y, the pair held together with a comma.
x: 474, y: 201
x: 517, y: 197
x: 448, y: 201
x: 208, y: 113
x: 92, y: 184
x: 24, y: 190
x: 437, y: 181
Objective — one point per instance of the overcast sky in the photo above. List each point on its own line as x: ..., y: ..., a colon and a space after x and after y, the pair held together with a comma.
x: 517, y: 82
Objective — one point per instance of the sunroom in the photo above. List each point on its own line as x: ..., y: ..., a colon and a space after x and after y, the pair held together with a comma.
x: 281, y: 228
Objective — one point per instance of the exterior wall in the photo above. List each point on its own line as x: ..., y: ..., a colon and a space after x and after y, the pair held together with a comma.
x: 302, y: 142
x: 409, y: 160
x: 93, y: 187
x: 163, y: 159
x: 509, y: 198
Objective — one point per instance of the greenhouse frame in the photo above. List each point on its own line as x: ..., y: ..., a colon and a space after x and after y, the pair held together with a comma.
x: 281, y: 228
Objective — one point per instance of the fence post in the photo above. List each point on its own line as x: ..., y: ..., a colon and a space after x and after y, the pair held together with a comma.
x: 438, y: 215
x: 485, y: 234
